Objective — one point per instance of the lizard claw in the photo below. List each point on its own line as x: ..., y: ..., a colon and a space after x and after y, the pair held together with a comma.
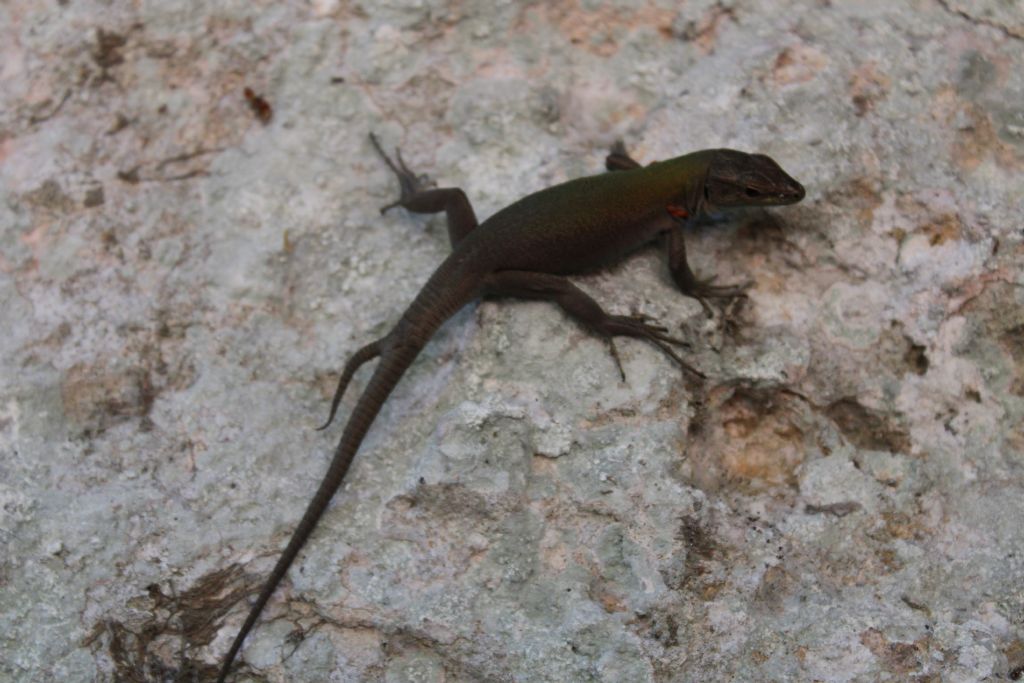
x: 703, y: 290
x: 410, y: 183
x: 638, y: 326
x: 647, y: 321
x: 709, y: 290
x: 615, y: 356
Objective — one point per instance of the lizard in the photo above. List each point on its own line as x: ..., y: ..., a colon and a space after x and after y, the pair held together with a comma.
x: 527, y: 250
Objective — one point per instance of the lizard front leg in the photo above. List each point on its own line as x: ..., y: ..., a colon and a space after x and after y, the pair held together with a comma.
x: 419, y: 196
x: 618, y: 158
x: 578, y: 305
x: 688, y: 283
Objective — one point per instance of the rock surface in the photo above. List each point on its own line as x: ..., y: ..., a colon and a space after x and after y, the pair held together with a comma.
x: 184, y: 269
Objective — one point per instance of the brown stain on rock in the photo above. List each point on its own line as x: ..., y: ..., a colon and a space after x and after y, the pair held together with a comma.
x: 775, y: 585
x: 868, y: 85
x: 906, y: 526
x: 750, y: 438
x: 124, y: 383
x: 701, y: 549
x: 157, y: 643
x: 107, y: 52
x: 942, y: 228
x: 975, y: 136
x: 98, y: 396
x: 868, y: 429
x: 596, y: 28
x: 766, y: 445
x: 1014, y: 652
x: 976, y: 141
x: 798, y: 64
x: 997, y: 319
x: 897, y: 658
x: 705, y: 30
x: 862, y: 195
x: 50, y: 196
x: 1012, y: 341
x: 602, y: 594
x: 660, y: 625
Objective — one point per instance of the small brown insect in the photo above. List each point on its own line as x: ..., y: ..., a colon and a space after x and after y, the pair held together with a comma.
x: 260, y: 107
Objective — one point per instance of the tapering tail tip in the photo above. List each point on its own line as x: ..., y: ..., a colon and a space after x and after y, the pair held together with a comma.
x: 446, y: 291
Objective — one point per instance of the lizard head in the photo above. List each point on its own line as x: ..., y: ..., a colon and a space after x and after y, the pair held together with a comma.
x: 741, y: 179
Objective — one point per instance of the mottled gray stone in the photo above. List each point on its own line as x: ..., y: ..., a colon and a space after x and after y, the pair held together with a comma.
x: 180, y: 284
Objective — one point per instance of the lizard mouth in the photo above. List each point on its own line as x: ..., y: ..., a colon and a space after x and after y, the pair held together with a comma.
x: 788, y: 195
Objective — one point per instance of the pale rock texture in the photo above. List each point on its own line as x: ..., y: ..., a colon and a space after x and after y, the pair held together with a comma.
x: 182, y: 277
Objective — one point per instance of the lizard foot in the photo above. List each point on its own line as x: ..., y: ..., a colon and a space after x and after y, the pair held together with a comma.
x: 702, y: 290
x: 410, y: 183
x: 640, y: 326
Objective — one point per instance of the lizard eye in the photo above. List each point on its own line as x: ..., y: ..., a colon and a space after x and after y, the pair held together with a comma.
x: 751, y: 192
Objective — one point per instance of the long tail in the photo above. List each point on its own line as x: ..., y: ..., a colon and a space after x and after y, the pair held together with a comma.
x: 448, y: 289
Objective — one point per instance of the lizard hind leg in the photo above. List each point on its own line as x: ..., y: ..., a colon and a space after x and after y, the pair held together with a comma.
x: 419, y: 194
x: 410, y: 183
x: 367, y: 353
x: 580, y: 306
